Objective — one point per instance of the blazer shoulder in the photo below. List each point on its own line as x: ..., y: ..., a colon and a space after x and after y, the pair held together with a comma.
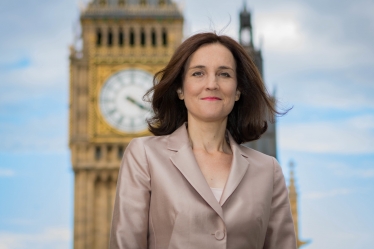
x: 254, y: 153
x: 147, y: 141
x: 257, y: 156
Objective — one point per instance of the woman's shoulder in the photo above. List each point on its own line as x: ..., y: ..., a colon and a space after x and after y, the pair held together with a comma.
x: 254, y: 153
x: 147, y: 141
x: 263, y: 162
x: 258, y: 157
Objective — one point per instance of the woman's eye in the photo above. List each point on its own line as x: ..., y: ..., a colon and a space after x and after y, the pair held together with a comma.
x: 197, y: 74
x: 224, y: 74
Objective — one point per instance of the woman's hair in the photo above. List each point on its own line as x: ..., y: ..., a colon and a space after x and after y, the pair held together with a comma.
x: 250, y: 114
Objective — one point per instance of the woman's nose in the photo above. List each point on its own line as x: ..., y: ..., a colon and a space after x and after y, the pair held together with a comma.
x: 212, y: 83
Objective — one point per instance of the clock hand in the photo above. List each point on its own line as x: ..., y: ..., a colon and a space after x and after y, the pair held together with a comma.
x: 132, y: 100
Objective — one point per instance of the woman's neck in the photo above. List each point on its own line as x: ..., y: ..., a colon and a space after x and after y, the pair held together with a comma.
x: 208, y: 136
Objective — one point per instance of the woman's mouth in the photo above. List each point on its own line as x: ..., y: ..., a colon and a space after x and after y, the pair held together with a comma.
x: 211, y: 98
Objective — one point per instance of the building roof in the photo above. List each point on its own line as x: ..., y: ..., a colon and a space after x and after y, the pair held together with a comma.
x: 112, y: 9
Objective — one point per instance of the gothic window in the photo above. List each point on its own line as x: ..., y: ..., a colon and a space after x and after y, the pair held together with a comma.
x: 164, y: 38
x: 97, y: 153
x: 109, y: 152
x: 245, y: 36
x: 132, y: 38
x: 99, y: 37
x: 120, y: 152
x: 153, y: 37
x: 142, y: 37
x: 121, y: 38
x: 110, y: 38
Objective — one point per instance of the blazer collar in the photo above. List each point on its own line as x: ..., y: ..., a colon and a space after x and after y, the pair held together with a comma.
x: 178, y: 138
x: 185, y: 161
x: 239, y: 167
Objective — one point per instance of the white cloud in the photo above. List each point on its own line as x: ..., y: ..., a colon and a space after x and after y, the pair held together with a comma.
x: 56, y: 238
x: 48, y: 63
x: 367, y: 173
x: 292, y: 42
x: 281, y: 29
x: 363, y: 122
x: 360, y: 173
x: 40, y: 35
x: 40, y: 134
x: 339, y: 137
x: 6, y: 172
x: 327, y: 194
x: 313, y: 56
x: 22, y: 222
x: 325, y: 93
x: 363, y: 170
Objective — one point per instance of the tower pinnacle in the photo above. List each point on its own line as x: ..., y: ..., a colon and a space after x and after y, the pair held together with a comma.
x: 292, y: 193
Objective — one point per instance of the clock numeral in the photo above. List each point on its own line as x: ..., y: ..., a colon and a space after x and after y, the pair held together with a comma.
x: 119, y: 121
x: 112, y: 111
x: 118, y: 78
x: 139, y: 121
x: 109, y: 87
x: 107, y: 100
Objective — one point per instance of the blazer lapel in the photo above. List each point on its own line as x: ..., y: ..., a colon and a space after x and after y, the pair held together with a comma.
x: 239, y: 167
x: 185, y: 161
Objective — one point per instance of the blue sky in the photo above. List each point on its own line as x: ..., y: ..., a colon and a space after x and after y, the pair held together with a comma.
x: 318, y: 56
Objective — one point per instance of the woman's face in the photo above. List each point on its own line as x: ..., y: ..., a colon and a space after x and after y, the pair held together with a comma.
x: 209, y: 84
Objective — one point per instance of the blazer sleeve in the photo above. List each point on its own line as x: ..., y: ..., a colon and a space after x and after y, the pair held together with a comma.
x: 280, y: 233
x: 131, y: 208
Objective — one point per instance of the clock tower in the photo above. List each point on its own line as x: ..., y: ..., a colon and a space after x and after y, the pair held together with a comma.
x: 124, y: 42
x: 267, y: 143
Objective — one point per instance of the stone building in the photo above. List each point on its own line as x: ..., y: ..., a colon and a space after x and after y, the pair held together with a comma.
x: 124, y: 42
x: 292, y: 193
x: 267, y: 143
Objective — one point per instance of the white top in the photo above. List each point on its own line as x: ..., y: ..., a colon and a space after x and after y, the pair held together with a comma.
x: 217, y: 192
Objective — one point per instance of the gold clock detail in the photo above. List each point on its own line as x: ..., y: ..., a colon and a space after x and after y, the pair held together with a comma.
x: 121, y: 100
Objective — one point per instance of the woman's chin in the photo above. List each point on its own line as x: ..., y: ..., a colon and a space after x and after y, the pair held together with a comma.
x: 210, y: 118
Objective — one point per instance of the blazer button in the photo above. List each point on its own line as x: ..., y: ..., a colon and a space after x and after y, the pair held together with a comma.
x: 220, y: 235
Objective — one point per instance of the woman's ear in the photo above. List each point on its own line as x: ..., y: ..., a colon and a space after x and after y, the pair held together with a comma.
x: 180, y: 94
x: 237, y: 95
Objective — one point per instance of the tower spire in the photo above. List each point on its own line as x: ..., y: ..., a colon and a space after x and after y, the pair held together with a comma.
x: 292, y: 192
x: 245, y: 30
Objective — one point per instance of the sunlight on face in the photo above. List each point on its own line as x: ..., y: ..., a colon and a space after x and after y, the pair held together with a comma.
x: 209, y: 85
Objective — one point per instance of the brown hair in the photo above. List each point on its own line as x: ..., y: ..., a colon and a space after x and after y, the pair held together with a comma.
x: 250, y: 114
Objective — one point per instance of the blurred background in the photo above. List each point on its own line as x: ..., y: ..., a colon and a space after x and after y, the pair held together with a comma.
x: 318, y: 57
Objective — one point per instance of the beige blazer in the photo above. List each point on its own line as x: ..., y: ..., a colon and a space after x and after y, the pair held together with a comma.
x: 164, y: 201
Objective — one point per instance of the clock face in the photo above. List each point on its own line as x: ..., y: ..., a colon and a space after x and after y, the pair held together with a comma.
x: 121, y: 100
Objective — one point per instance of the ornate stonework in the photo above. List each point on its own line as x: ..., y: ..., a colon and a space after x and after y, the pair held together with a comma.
x: 267, y: 143
x: 116, y: 36
x: 292, y: 193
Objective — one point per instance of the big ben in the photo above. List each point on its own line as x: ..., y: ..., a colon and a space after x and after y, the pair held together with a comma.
x: 124, y: 43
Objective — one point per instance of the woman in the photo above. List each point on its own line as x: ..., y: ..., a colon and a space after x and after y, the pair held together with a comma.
x: 192, y: 185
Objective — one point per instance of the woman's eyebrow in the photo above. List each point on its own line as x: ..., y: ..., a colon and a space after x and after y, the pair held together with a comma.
x: 225, y: 67
x: 201, y: 67
x: 198, y: 66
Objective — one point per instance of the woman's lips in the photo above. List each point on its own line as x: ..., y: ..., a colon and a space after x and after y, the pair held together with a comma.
x: 211, y: 98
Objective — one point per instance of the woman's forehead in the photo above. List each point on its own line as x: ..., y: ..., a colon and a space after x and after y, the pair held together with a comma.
x: 212, y: 54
